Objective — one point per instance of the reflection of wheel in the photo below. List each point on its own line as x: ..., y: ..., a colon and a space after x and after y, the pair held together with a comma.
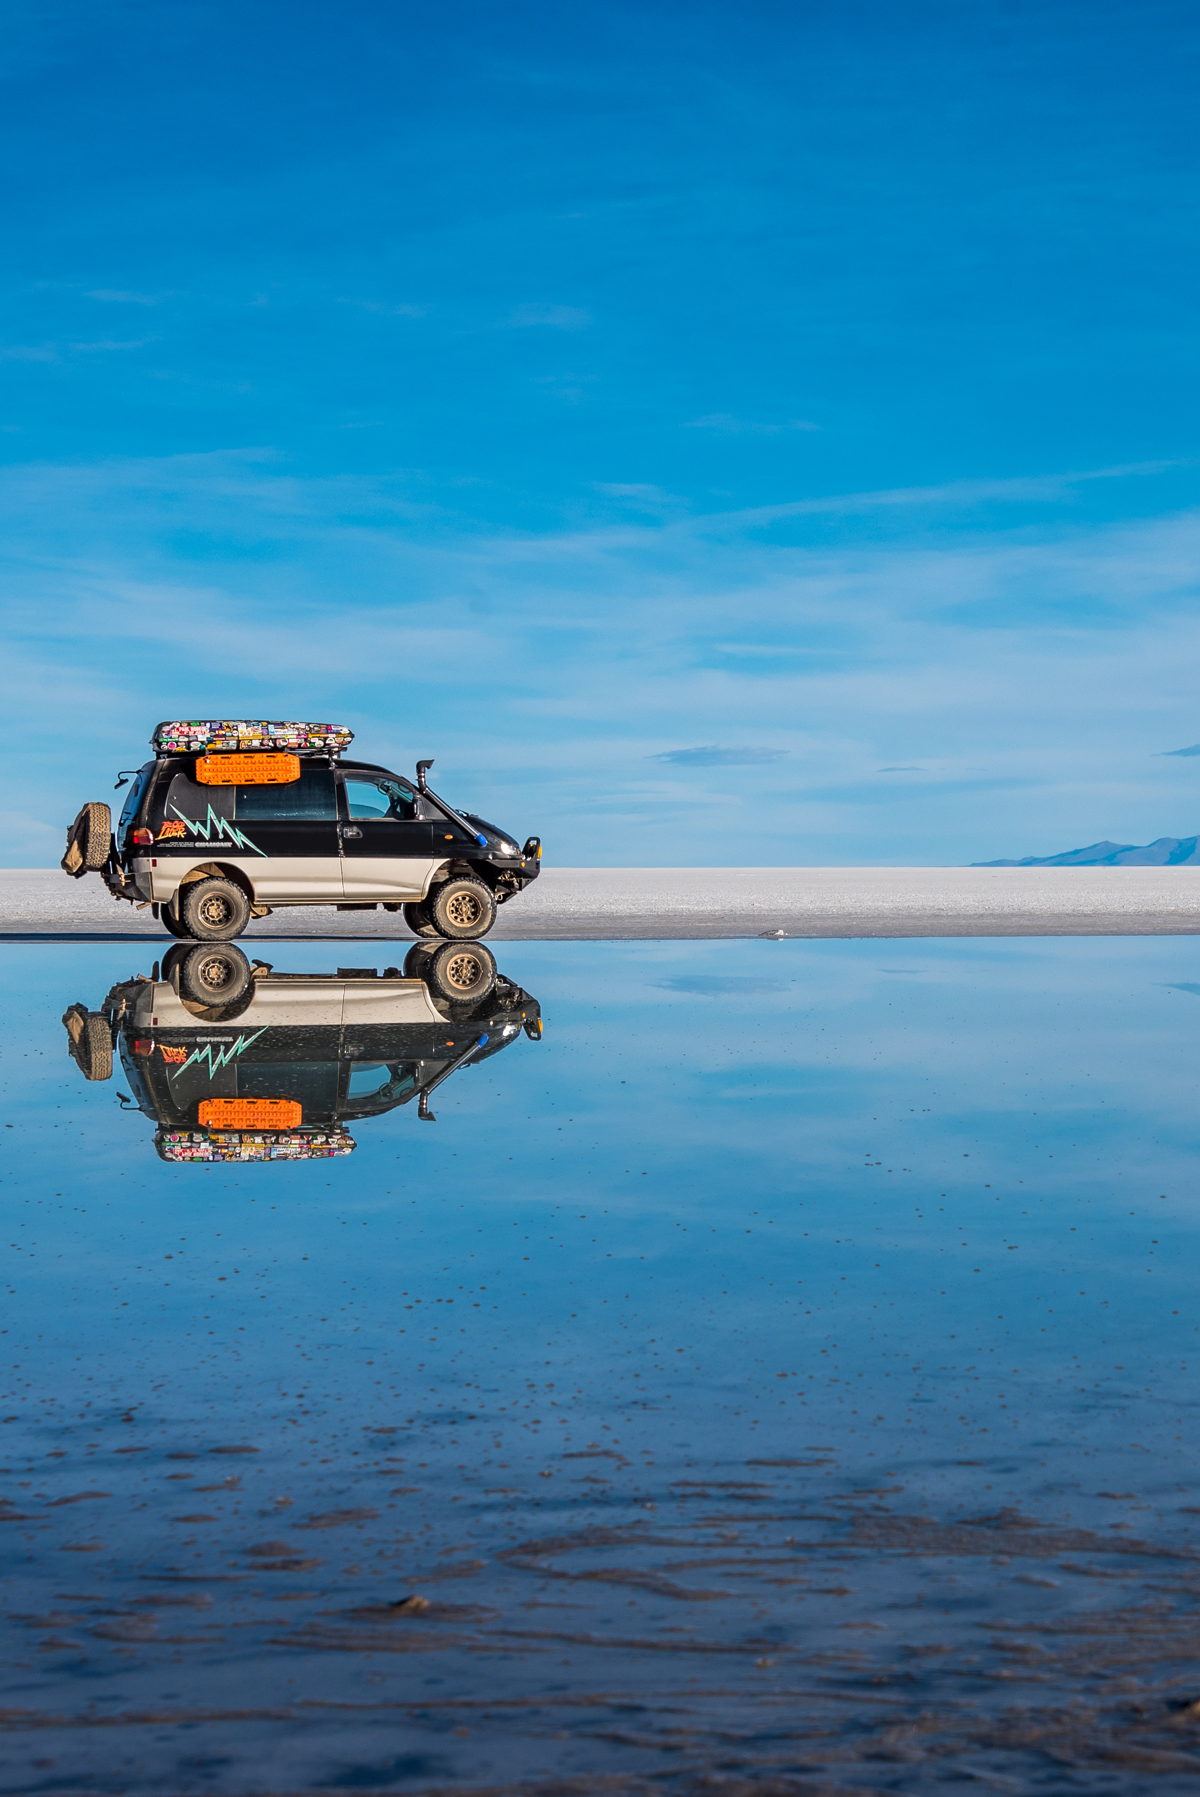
x: 213, y: 910
x: 462, y: 909
x: 171, y: 925
x: 463, y: 974
x: 417, y: 959
x: 214, y: 976
x: 417, y: 919
x: 175, y: 956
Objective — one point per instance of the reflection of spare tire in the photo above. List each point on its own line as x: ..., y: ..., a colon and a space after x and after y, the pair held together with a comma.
x: 462, y: 972
x: 91, y: 1042
x: 88, y: 841
x: 215, y: 973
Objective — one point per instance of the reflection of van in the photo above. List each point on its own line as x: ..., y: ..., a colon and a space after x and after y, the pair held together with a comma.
x: 234, y: 818
x: 283, y: 1063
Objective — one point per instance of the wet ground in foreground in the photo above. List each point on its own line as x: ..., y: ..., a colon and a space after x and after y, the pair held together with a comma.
x: 777, y: 1379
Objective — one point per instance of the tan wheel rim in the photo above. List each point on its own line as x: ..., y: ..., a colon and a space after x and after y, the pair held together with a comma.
x: 215, y: 973
x: 464, y: 972
x: 463, y: 910
x: 215, y: 910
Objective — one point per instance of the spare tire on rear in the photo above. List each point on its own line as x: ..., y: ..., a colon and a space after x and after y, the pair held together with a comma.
x: 88, y: 841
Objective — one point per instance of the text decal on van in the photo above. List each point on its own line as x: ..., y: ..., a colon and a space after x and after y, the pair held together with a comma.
x: 227, y: 1052
x: 225, y: 831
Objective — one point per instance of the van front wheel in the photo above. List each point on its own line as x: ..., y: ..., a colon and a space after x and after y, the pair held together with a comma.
x: 462, y: 910
x: 213, y: 910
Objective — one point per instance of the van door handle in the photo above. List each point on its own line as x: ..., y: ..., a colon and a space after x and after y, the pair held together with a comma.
x: 351, y: 830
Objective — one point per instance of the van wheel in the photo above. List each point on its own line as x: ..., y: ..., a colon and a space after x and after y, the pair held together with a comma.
x: 214, y: 976
x: 417, y: 919
x: 463, y: 974
x: 213, y: 910
x: 171, y: 926
x: 462, y: 909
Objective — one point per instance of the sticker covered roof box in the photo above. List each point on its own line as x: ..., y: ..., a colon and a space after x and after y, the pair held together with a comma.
x: 184, y: 736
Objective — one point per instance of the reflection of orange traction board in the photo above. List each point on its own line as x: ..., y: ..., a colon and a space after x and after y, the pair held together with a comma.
x: 247, y: 770
x: 215, y: 1146
x: 250, y: 1113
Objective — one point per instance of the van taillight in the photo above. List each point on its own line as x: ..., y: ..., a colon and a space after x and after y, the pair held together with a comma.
x: 143, y: 838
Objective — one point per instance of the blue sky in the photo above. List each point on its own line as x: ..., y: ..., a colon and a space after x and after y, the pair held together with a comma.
x: 716, y: 433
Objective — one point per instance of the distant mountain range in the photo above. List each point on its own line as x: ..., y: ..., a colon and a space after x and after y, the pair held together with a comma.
x: 1167, y: 851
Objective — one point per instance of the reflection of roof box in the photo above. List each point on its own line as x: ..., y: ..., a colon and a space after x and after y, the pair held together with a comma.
x: 221, y: 1145
x: 186, y: 736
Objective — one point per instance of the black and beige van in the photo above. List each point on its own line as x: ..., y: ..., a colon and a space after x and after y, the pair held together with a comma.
x: 232, y: 819
x: 233, y: 1061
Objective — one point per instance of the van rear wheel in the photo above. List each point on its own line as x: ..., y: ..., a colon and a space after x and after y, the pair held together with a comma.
x: 213, y: 910
x: 417, y: 919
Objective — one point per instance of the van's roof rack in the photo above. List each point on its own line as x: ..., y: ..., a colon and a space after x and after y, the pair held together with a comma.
x: 218, y: 736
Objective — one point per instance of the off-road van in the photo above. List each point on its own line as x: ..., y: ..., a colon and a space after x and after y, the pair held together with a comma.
x: 233, y: 818
x: 233, y: 1061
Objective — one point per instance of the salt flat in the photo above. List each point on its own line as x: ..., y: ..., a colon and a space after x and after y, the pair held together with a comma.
x: 585, y: 903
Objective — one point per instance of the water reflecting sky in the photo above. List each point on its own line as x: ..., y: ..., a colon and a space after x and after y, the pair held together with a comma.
x: 778, y: 1373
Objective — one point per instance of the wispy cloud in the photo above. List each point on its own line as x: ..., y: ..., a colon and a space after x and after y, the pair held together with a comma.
x: 586, y: 671
x: 28, y: 352
x: 1194, y: 750
x: 713, y: 756
x: 731, y: 426
x: 555, y: 318
x: 639, y: 494
x: 108, y: 343
x: 120, y: 297
x: 1021, y: 489
x: 387, y: 308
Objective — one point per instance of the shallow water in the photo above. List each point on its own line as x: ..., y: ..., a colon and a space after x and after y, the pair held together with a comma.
x: 776, y: 1379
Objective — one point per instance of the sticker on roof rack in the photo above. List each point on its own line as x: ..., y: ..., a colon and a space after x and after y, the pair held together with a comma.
x: 183, y: 736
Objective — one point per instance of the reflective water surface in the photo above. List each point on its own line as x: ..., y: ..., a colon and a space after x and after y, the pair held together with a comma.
x: 776, y: 1378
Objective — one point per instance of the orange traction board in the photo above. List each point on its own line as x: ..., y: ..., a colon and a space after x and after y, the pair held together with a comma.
x: 247, y: 770
x: 250, y: 1113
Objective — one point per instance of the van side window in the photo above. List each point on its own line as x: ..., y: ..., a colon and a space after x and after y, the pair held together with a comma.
x: 185, y: 799
x: 310, y: 799
x: 381, y: 799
